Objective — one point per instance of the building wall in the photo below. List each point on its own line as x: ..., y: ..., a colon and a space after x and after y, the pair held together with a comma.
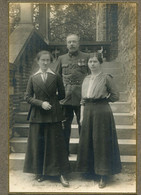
x: 127, y: 47
x: 19, y: 72
x: 112, y: 29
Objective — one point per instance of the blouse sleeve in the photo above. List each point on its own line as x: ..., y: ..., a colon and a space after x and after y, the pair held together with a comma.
x: 112, y: 89
x: 82, y: 102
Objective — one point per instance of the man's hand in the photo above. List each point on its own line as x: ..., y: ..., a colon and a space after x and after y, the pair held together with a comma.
x: 46, y: 106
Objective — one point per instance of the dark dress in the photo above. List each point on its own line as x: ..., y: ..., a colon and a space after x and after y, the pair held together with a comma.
x: 98, y: 150
x: 46, y: 150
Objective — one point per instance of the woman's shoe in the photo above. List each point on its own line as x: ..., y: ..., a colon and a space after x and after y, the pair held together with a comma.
x: 40, y: 178
x: 64, y: 181
x: 102, y: 182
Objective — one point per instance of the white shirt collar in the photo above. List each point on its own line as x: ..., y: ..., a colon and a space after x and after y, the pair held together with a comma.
x: 41, y: 72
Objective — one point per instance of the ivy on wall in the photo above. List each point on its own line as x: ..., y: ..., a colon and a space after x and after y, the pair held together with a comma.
x: 14, y: 16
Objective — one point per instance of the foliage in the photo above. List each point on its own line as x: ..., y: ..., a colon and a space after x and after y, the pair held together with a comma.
x: 72, y: 18
x: 35, y: 16
x: 14, y: 16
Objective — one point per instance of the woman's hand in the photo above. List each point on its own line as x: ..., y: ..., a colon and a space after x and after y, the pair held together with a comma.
x: 46, y: 106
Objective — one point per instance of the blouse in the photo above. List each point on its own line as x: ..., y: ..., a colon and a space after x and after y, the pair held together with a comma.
x: 99, y: 87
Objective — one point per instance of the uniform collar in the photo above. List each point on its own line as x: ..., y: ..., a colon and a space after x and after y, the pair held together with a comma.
x: 74, y: 53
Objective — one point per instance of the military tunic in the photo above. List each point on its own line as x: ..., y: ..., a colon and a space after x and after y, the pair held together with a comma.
x: 73, y: 68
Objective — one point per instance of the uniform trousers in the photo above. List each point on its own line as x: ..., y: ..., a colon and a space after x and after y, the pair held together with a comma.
x: 68, y: 111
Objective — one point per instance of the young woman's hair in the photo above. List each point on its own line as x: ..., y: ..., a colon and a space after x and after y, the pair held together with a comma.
x: 39, y: 54
x: 97, y: 55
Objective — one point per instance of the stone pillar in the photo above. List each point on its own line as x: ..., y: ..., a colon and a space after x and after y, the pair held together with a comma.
x: 44, y: 21
x: 101, y: 22
x: 26, y: 13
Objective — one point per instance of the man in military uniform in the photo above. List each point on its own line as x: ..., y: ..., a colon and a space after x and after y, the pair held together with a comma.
x: 73, y: 68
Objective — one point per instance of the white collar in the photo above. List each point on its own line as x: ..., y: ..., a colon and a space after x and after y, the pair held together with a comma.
x: 41, y: 72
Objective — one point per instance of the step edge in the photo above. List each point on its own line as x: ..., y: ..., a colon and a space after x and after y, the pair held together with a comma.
x: 117, y: 126
x: 73, y: 157
x: 75, y: 141
x: 118, y: 102
x: 115, y: 114
x: 73, y: 126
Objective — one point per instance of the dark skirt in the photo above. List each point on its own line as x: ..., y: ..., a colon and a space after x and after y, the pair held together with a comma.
x: 98, y: 150
x: 46, y: 150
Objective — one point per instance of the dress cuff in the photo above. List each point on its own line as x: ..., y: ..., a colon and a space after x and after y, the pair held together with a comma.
x: 82, y: 102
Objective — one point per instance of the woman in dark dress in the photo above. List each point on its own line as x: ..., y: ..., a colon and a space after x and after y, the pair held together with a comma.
x: 98, y: 150
x: 46, y: 151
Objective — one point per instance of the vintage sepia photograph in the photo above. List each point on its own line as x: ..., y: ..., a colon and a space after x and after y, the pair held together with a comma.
x: 72, y: 97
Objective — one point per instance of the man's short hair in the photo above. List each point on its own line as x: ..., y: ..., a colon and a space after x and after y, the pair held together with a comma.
x: 71, y: 34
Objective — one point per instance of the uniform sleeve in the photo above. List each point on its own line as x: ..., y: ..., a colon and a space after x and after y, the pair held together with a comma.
x: 58, y: 69
x: 82, y: 102
x: 29, y: 95
x: 112, y: 89
x: 61, y: 89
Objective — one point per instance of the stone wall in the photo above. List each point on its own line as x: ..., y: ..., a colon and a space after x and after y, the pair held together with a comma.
x: 127, y: 47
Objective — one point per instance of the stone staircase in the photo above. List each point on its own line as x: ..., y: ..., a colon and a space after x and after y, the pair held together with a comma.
x: 126, y: 129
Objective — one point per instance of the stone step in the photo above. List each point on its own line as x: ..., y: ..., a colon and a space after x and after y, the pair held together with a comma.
x: 120, y: 118
x: 120, y: 82
x: 16, y: 160
x: 113, y: 64
x: 123, y: 131
x: 113, y: 71
x: 116, y: 107
x: 126, y: 146
x: 119, y: 107
x: 123, y: 96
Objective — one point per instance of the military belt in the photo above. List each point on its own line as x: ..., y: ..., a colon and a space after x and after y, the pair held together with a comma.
x: 68, y: 80
x: 71, y: 82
